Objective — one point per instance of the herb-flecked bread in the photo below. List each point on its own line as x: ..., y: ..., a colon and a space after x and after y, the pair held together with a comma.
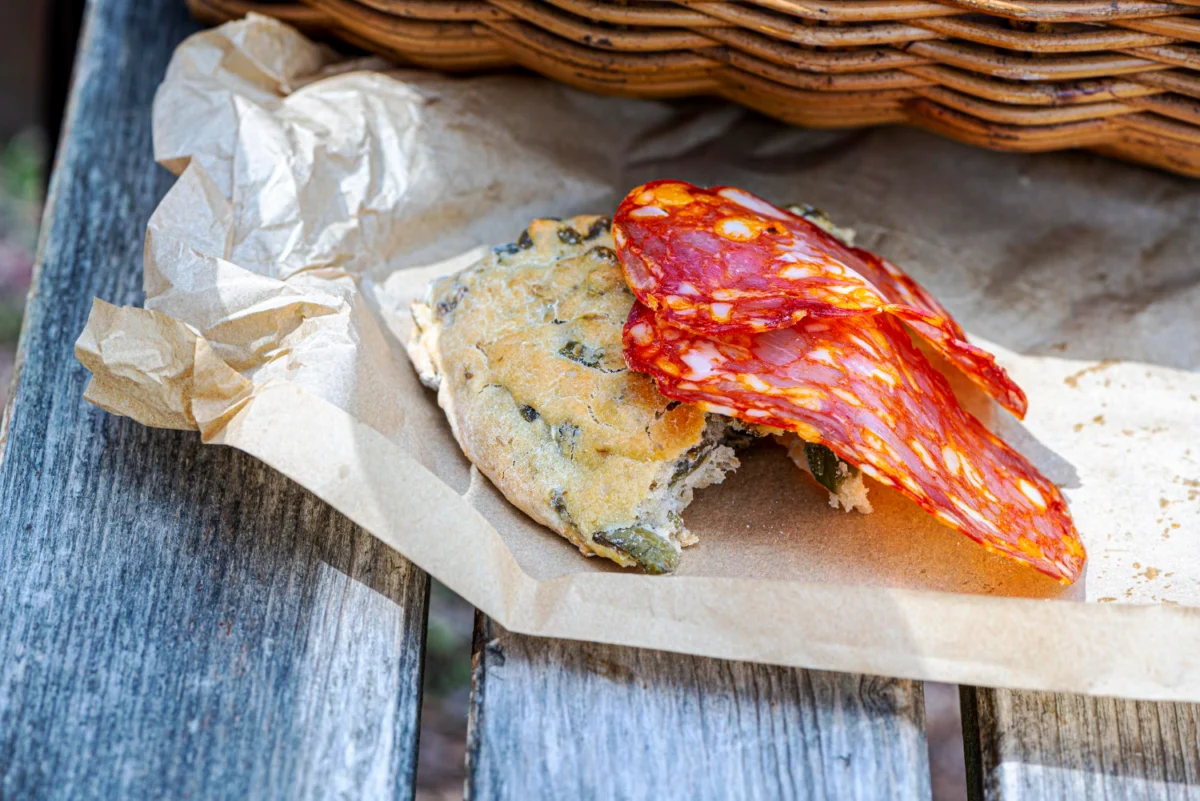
x: 524, y: 350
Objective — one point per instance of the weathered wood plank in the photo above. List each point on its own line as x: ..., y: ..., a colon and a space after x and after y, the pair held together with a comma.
x: 178, y: 620
x: 560, y: 719
x: 1023, y: 745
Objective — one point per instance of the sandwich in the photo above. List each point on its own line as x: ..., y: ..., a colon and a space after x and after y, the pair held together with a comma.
x: 601, y: 371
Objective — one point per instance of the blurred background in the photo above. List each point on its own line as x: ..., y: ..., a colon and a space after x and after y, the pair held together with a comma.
x: 24, y: 82
x: 36, y: 51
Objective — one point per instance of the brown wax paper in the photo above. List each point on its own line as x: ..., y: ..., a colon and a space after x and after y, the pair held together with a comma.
x: 316, y: 198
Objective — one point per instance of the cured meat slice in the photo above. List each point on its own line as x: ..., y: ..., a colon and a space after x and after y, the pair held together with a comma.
x: 860, y: 387
x: 715, y: 261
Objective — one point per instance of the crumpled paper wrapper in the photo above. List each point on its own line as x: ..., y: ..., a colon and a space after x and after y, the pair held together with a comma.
x: 314, y: 196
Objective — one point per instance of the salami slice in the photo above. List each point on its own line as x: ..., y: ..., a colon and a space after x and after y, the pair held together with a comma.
x: 715, y: 261
x: 860, y: 387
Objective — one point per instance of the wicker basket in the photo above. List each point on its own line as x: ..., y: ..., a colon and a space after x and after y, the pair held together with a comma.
x: 1120, y: 77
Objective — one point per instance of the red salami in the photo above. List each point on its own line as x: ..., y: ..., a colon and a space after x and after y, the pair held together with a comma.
x: 858, y: 386
x: 717, y: 261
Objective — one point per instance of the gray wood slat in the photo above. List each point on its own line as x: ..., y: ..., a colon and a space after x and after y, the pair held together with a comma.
x: 1025, y: 745
x: 176, y: 621
x: 560, y: 719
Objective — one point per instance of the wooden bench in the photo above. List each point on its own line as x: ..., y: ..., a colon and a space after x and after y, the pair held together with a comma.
x: 180, y: 621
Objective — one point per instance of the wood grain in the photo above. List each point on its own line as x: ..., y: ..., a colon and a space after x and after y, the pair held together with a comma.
x: 178, y: 621
x: 1024, y: 745
x: 561, y: 719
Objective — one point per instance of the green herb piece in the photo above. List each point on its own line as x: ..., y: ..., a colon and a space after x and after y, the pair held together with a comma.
x: 600, y: 226
x: 450, y: 303
x: 689, y: 463
x: 655, y: 554
x: 603, y: 254
x: 582, y: 354
x: 827, y: 468
x: 559, y: 504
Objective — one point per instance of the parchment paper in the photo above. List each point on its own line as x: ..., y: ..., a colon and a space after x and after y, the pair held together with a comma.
x: 313, y: 194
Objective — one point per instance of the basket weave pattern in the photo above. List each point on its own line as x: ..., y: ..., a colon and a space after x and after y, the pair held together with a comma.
x: 1117, y: 76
